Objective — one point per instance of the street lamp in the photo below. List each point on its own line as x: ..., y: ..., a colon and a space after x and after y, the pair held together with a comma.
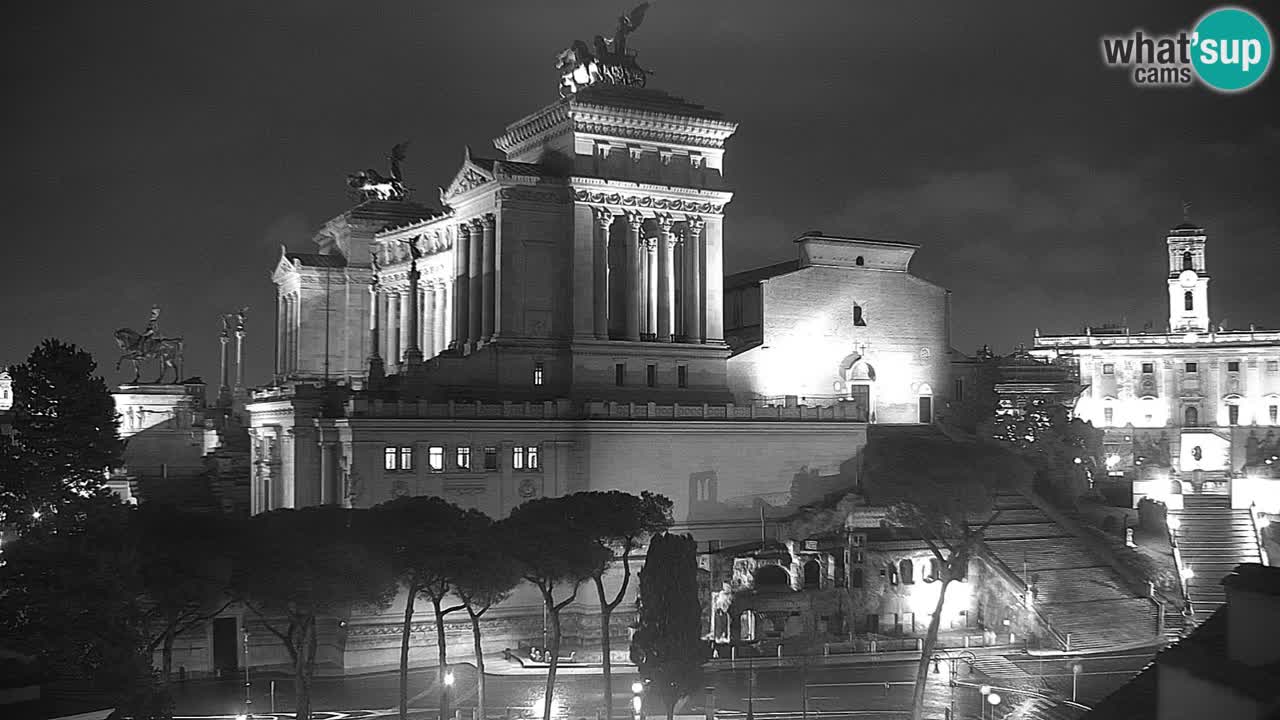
x: 248, y: 699
x: 993, y: 699
x: 985, y: 691
x: 1076, y: 669
x: 444, y: 694
x: 637, y: 699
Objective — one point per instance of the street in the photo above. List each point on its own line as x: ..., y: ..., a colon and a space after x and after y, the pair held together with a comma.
x: 867, y: 690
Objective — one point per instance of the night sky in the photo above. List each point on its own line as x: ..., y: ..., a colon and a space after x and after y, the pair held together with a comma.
x: 162, y: 152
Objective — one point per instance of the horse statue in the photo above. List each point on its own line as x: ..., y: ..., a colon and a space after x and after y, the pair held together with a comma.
x: 136, y: 348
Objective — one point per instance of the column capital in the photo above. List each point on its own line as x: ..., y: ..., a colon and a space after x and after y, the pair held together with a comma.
x: 477, y: 224
x: 665, y: 223
x: 695, y: 223
x: 635, y: 219
x: 489, y: 220
x: 464, y: 228
x: 604, y: 217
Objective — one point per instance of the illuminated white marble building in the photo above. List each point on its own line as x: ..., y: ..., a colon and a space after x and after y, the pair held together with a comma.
x: 1190, y: 400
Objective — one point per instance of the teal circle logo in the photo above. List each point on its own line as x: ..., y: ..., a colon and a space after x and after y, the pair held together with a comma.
x: 1231, y: 49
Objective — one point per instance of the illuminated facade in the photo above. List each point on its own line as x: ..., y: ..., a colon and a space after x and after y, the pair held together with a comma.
x: 846, y: 323
x: 1189, y: 403
x: 6, y: 390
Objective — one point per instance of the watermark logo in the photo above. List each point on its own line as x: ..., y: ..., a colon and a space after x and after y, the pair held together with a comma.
x: 1229, y: 50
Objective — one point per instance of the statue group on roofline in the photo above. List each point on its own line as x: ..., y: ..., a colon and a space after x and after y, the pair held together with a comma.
x: 606, y: 61
x: 150, y: 345
x: 369, y: 184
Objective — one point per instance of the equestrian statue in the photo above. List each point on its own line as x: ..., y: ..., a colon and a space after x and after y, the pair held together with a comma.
x: 149, y: 345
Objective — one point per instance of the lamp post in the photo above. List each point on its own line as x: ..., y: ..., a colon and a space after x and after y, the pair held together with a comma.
x: 637, y: 700
x: 985, y: 691
x: 993, y: 699
x: 1076, y: 668
x: 751, y: 688
x: 953, y: 667
x: 248, y: 699
x: 444, y: 694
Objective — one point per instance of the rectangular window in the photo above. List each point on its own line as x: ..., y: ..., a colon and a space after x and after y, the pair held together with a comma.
x: 1233, y: 366
x: 620, y: 374
x: 682, y: 376
x: 491, y: 458
x: 856, y: 557
x: 1108, y: 369
x: 531, y: 457
x: 537, y: 373
x: 1233, y: 414
x: 517, y: 458
x: 651, y: 375
x: 1192, y: 367
x: 462, y: 458
x: 959, y: 391
x: 389, y: 458
x: 1148, y: 368
x: 435, y: 458
x: 1272, y: 413
x: 1108, y: 415
x: 1273, y: 366
x: 406, y: 458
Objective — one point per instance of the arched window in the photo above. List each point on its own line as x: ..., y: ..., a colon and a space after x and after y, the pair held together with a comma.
x: 907, y: 571
x: 858, y: 261
x: 812, y: 575
x: 772, y: 576
x: 857, y: 316
x: 1187, y: 301
x: 1190, y: 417
x: 1187, y: 263
x: 935, y: 570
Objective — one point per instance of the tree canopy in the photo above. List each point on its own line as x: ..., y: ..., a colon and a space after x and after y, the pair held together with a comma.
x: 65, y: 434
x: 668, y: 648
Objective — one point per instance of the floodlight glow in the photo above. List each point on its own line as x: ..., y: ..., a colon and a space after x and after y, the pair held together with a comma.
x: 1112, y: 461
x: 1174, y: 522
x: 637, y: 687
x: 1187, y: 573
x: 448, y: 678
x: 635, y: 704
x: 1263, y: 521
x: 985, y: 689
x: 994, y: 698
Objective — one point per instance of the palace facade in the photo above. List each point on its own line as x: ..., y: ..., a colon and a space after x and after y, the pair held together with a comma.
x: 1191, y: 408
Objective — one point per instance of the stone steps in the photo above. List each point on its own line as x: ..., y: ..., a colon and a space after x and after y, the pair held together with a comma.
x: 1212, y: 540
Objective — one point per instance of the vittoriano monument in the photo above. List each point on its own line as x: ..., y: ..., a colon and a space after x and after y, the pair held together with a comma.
x: 607, y: 61
x: 370, y: 184
x: 150, y: 345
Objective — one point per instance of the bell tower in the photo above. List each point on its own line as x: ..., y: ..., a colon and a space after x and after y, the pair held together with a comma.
x: 1188, y: 278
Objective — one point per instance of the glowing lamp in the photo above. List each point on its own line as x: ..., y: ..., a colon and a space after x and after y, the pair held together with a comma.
x: 635, y: 704
x: 1263, y: 521
x: 994, y: 699
x: 36, y: 514
x: 242, y: 716
x: 448, y: 678
x: 1187, y: 573
x: 985, y: 689
x: 1174, y: 522
x: 637, y: 687
x: 1076, y: 461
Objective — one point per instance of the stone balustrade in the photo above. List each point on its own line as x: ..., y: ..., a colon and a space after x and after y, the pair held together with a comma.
x: 359, y: 407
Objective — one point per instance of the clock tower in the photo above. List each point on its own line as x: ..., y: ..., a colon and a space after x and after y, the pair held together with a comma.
x: 1188, y: 279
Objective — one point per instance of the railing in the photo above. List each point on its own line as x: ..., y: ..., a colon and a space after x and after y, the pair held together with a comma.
x: 1257, y: 533
x: 1177, y: 561
x: 731, y: 411
x: 1023, y: 594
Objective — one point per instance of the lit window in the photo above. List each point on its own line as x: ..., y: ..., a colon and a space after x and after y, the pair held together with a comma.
x: 1108, y: 415
x: 537, y: 373
x: 620, y: 374
x: 1148, y: 368
x: 389, y: 459
x: 531, y: 455
x: 525, y: 458
x: 1233, y: 366
x: 406, y: 458
x: 682, y: 376
x: 517, y: 458
x: 462, y: 458
x: 435, y: 458
x: 397, y: 458
x: 491, y: 458
x: 1108, y: 369
x: 651, y: 375
x: 1192, y: 367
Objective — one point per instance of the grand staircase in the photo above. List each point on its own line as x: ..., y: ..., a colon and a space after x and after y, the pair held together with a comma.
x: 1212, y: 539
x: 1079, y: 593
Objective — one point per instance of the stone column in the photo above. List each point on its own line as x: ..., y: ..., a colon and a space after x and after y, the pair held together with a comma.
x: 462, y: 286
x: 439, y: 331
x: 376, y: 369
x: 393, y: 328
x: 633, y: 306
x: 490, y: 270
x: 239, y: 358
x: 713, y: 281
x: 280, y: 313
x: 224, y: 384
x: 666, y: 278
x: 651, y: 286
x: 693, y: 288
x: 412, y: 321
x: 446, y: 318
x: 429, y: 346
x: 475, y: 273
x: 600, y: 292
x: 291, y: 335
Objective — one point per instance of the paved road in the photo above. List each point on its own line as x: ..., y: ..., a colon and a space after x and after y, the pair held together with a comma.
x: 847, y: 691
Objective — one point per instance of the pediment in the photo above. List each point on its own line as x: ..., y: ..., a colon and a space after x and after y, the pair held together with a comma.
x: 469, y: 177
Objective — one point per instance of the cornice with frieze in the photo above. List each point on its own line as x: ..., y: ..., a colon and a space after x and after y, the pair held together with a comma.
x: 643, y: 201
x: 537, y: 126
x: 525, y: 193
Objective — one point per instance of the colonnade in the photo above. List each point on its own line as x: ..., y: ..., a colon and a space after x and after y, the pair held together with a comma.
x: 662, y: 276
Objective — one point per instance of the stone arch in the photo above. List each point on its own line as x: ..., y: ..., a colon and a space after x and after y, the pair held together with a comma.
x: 812, y: 575
x: 907, y: 571
x: 859, y: 261
x: 772, y: 576
x: 1191, y: 416
x: 1188, y: 263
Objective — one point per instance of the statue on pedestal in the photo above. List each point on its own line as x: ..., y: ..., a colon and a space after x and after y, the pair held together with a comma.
x: 370, y: 184
x: 607, y: 61
x: 148, y: 345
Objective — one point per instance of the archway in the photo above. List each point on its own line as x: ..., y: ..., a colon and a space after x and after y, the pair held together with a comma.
x: 772, y: 576
x: 1190, y: 416
x: 812, y: 575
